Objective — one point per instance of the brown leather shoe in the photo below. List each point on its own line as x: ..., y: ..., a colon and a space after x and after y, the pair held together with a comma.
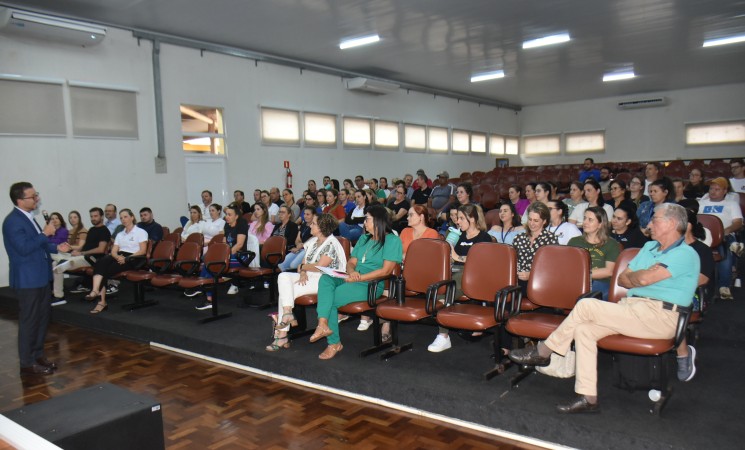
x: 528, y: 356
x: 46, y: 363
x: 36, y: 370
x: 580, y: 405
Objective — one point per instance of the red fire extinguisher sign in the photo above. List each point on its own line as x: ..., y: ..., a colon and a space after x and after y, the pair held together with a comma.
x: 287, y: 164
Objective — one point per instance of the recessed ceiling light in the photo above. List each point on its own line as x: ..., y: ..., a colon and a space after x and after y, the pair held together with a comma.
x: 615, y: 76
x: 487, y: 76
x: 724, y: 41
x: 356, y: 42
x: 547, y: 40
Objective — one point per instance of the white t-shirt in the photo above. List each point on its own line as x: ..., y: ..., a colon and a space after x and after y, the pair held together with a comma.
x: 564, y: 232
x: 212, y: 228
x: 273, y: 211
x: 578, y: 215
x: 726, y: 211
x: 130, y: 242
x: 738, y: 184
x: 191, y: 228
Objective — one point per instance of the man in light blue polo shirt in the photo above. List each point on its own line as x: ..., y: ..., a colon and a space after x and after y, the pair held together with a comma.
x: 661, y: 279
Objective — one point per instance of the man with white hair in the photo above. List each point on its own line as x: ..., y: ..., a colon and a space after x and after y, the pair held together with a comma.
x: 662, y: 279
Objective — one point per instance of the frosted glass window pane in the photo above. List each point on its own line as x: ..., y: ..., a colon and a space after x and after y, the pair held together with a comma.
x: 386, y: 134
x: 511, y: 146
x: 461, y: 141
x: 103, y: 113
x: 715, y: 133
x: 478, y: 142
x: 438, y: 139
x: 585, y: 142
x: 415, y: 138
x: 542, y: 145
x: 496, y: 144
x: 357, y: 132
x: 31, y: 108
x: 320, y: 129
x: 280, y: 126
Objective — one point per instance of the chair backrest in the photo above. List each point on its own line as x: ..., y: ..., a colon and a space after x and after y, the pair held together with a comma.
x: 189, y: 251
x: 196, y: 237
x: 274, y: 245
x: 346, y: 245
x: 174, y: 237
x: 616, y: 291
x: 715, y: 226
x: 218, y: 253
x: 489, y: 200
x: 164, y: 250
x: 489, y: 268
x: 178, y: 231
x: 166, y: 231
x: 492, y: 218
x: 427, y: 262
x: 218, y: 239
x: 559, y: 275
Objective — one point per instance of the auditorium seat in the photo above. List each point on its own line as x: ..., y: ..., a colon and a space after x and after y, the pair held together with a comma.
x: 188, y: 262
x: 216, y: 262
x: 492, y: 218
x: 159, y: 262
x: 272, y: 253
x: 197, y: 238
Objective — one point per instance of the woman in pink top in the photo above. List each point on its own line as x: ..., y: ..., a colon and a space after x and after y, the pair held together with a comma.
x: 260, y: 225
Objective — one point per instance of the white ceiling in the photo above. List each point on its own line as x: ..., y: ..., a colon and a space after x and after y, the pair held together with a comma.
x: 440, y: 43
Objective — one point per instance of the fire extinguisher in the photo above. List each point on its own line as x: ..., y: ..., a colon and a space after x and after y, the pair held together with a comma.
x: 288, y: 181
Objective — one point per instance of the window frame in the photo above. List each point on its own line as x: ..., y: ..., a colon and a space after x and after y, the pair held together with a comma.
x: 408, y: 149
x: 467, y: 135
x: 569, y: 134
x: 318, y: 144
x: 386, y: 148
x: 280, y: 142
x: 437, y: 128
x: 526, y: 138
x: 688, y: 125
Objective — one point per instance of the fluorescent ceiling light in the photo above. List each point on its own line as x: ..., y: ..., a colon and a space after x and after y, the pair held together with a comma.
x: 724, y: 41
x: 487, y: 76
x: 615, y: 76
x: 547, y: 40
x: 356, y: 42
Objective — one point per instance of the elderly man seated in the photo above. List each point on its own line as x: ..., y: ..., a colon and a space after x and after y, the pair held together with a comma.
x: 661, y: 279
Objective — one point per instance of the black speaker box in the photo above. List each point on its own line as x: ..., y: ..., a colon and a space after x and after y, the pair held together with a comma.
x: 103, y: 416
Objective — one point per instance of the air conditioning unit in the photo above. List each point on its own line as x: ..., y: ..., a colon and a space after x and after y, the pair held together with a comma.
x: 643, y: 103
x: 40, y: 26
x: 376, y: 87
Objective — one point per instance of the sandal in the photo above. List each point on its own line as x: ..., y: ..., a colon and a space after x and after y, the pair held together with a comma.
x: 99, y: 308
x: 92, y: 296
x: 386, y: 338
x: 331, y: 351
x: 277, y: 344
x: 286, y: 323
x: 321, y: 333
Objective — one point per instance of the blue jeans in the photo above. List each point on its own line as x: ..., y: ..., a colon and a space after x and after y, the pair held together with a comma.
x: 351, y: 232
x: 292, y: 261
x: 724, y: 267
x: 601, y: 285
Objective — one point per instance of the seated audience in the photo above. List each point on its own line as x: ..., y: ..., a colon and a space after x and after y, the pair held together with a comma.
x: 603, y: 250
x: 696, y: 187
x: 346, y: 200
x: 295, y: 255
x: 375, y: 255
x: 660, y: 191
x: 333, y: 206
x: 625, y: 228
x: 61, y: 233
x: 239, y: 198
x: 605, y: 179
x: 558, y: 225
x: 594, y: 198
x: 289, y: 199
x: 195, y: 224
x: 400, y: 208
x: 589, y: 171
x: 131, y: 241
x: 473, y: 230
x: 541, y: 193
x: 509, y: 225
x: 576, y: 196
x: 152, y: 228
x: 321, y: 250
x: 286, y: 227
x: 418, y: 218
x: 260, y: 226
x: 665, y: 270
x: 636, y: 187
x: 353, y: 225
x: 536, y: 236
x: 678, y: 190
x: 271, y: 207
x: 78, y: 233
x: 214, y: 224
x: 443, y: 195
x: 111, y: 218
x: 737, y: 166
x: 620, y: 195
x: 421, y: 195
x: 321, y: 200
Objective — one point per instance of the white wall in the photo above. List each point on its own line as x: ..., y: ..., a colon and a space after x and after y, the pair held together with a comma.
x: 639, y: 134
x: 77, y: 174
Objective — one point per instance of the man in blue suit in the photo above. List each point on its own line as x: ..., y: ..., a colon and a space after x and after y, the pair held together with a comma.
x: 28, y: 249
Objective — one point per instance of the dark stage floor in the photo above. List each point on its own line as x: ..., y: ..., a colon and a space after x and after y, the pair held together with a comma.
x: 701, y: 414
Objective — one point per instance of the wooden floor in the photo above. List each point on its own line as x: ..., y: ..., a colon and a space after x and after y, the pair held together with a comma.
x: 207, y: 406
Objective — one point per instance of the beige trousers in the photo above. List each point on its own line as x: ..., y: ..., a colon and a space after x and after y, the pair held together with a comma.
x: 58, y: 276
x: 592, y: 320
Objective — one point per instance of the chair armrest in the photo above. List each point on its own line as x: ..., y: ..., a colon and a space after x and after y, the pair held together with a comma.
x: 277, y: 259
x: 159, y: 269
x: 138, y: 260
x: 216, y: 273
x: 179, y: 266
x: 684, y: 316
x: 430, y: 305
x: 592, y: 294
x: 372, y: 289
x: 502, y: 297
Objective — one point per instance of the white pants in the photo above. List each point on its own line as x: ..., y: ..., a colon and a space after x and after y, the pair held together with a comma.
x: 290, y: 289
x: 58, y: 275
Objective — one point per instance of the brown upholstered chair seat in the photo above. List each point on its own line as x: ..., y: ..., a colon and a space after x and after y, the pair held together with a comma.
x: 307, y: 300
x: 192, y: 283
x: 534, y: 325
x: 411, y: 311
x: 626, y: 344
x: 527, y: 305
x: 361, y: 307
x: 467, y: 317
x: 254, y: 272
x: 164, y: 280
x: 140, y: 276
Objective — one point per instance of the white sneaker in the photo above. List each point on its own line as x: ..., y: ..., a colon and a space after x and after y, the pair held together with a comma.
x: 364, y: 325
x: 233, y: 289
x: 737, y: 248
x: 724, y: 293
x: 440, y: 344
